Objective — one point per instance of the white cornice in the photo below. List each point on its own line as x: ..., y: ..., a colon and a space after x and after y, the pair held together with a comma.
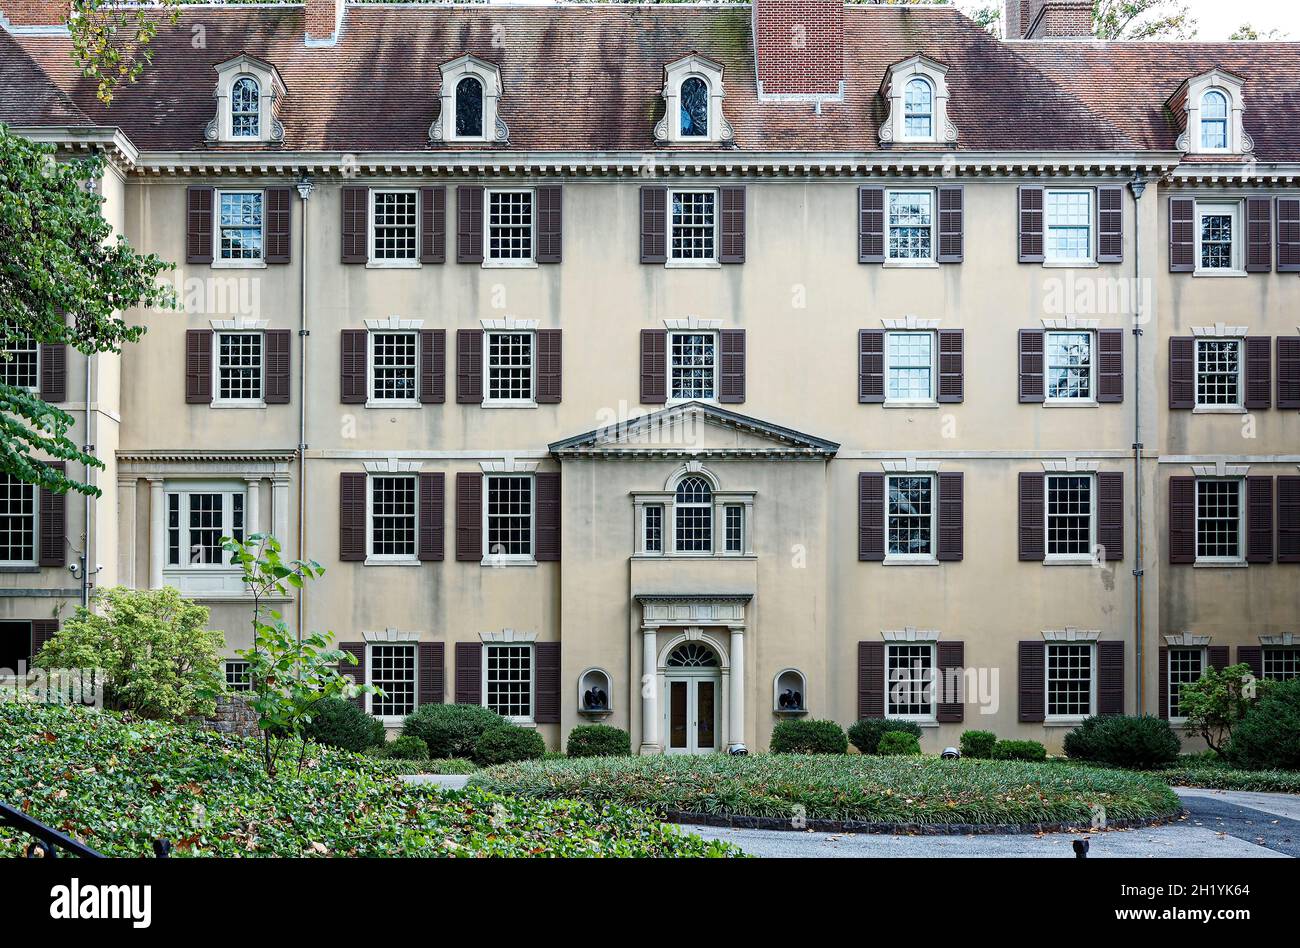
x: 108, y: 139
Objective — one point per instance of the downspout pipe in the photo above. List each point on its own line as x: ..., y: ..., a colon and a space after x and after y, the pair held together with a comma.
x: 305, y: 187
x: 87, y: 546
x: 1138, y: 186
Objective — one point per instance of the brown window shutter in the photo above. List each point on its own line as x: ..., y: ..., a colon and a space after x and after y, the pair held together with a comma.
x: 654, y: 226
x: 1288, y: 235
x: 1182, y: 520
x: 352, y: 517
x: 433, y: 366
x: 1182, y: 372
x: 951, y: 366
x: 1032, y: 362
x: 198, y: 224
x: 1033, y: 691
x: 469, y: 224
x: 277, y: 343
x: 54, y: 372
x: 433, y: 225
x: 469, y: 673
x: 550, y: 224
x: 732, y: 249
x: 654, y: 366
x: 1110, y: 514
x: 352, y: 367
x: 1252, y: 655
x: 356, y: 672
x: 1033, y: 541
x: 469, y: 366
x: 1259, y: 520
x: 548, y: 517
x: 871, y: 366
x: 951, y: 225
x: 550, y: 366
x: 1030, y: 241
x: 1259, y: 372
x: 1110, y: 225
x: 42, y: 631
x: 1216, y: 656
x: 431, y: 672
x: 871, y: 518
x: 1288, y: 372
x: 731, y: 362
x: 356, y: 211
x: 198, y: 366
x: 951, y: 659
x: 1110, y: 366
x: 279, y: 215
x: 871, y: 225
x: 432, y: 517
x: 546, y: 658
x: 53, y: 515
x: 1259, y: 235
x: 871, y: 680
x: 469, y: 516
x: 1110, y: 677
x: 1182, y: 235
x: 1288, y: 519
x: 951, y: 518
x: 1163, y: 659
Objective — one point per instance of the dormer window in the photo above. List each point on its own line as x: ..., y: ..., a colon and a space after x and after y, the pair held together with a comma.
x: 469, y: 108
x: 249, y: 93
x: 693, y: 104
x: 916, y: 93
x: 1211, y: 108
x: 918, y: 109
x: 1214, y: 121
x: 245, y: 108
x: 470, y: 103
x: 695, y: 108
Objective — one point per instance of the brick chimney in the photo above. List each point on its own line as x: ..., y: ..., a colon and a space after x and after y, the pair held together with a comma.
x: 324, y: 22
x: 799, y: 48
x: 28, y: 13
x: 1048, y: 19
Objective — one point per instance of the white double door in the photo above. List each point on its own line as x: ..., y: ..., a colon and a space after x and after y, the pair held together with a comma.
x: 692, y: 705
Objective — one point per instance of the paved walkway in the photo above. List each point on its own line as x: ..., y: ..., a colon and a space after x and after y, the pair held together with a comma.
x: 450, y: 782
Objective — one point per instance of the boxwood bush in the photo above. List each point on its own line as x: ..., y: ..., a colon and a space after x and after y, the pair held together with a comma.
x: 898, y: 744
x: 408, y: 747
x: 1019, y: 750
x: 865, y: 735
x: 341, y: 724
x: 599, y: 740
x: 451, y: 730
x: 808, y: 737
x: 978, y: 744
x: 1268, y: 737
x: 507, y: 744
x: 1139, y: 742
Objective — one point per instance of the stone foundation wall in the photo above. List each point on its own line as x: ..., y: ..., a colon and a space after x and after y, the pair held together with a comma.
x: 233, y: 716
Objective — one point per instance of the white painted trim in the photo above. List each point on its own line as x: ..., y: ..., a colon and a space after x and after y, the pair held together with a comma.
x: 910, y: 635
x: 391, y: 636
x: 1187, y: 640
x: 493, y: 263
x: 391, y: 559
x: 668, y: 130
x: 510, y: 637
x: 1071, y: 634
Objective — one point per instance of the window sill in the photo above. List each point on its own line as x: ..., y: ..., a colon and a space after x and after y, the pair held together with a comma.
x: 253, y: 405
x: 389, y: 722
x: 392, y: 264
x: 1219, y: 410
x: 1219, y: 274
x: 404, y: 404
x: 1071, y: 403
x: 19, y: 568
x: 911, y: 265
x: 1071, y: 265
x: 1065, y: 722
x: 238, y: 264
x: 500, y: 561
x: 1227, y: 564
x: 695, y: 556
x: 509, y: 264
x: 902, y: 404
x: 506, y: 403
x: 1069, y: 561
x: 384, y: 561
x: 906, y: 561
x: 693, y: 265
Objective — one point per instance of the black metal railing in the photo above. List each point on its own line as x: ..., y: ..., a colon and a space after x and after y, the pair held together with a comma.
x: 46, y: 841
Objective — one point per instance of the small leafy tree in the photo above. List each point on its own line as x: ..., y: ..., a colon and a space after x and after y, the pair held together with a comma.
x: 1216, y: 703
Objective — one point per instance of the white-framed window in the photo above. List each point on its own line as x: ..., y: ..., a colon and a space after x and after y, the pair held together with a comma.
x: 509, y: 516
x: 693, y: 227
x: 197, y: 519
x: 692, y: 366
x: 1070, y: 680
x: 910, y: 517
x: 20, y: 363
x: 1186, y: 666
x: 910, y: 681
x: 909, y: 366
x: 1071, y: 517
x: 469, y: 100
x: 653, y: 527
x: 1219, y: 521
x: 1281, y: 663
x: 1071, y: 373
x: 394, y: 227
x: 246, y: 108
x: 239, y: 363
x: 1215, y: 115
x: 240, y: 228
x: 509, y: 368
x: 469, y: 108
x: 511, y: 231
x: 911, y: 226
x: 238, y: 675
x: 918, y: 109
x: 1218, y: 373
x: 391, y: 668
x: 693, y: 516
x: 508, y: 681
x: 694, y: 95
x: 393, y: 521
x: 733, y: 517
x: 1218, y: 237
x: 1068, y: 224
x: 394, y: 361
x: 17, y: 522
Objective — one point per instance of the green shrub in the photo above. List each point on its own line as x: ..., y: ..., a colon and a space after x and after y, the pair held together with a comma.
x: 507, y: 744
x: 1134, y: 742
x: 599, y: 740
x: 865, y: 735
x: 1019, y: 750
x: 978, y: 744
x: 1268, y: 737
x: 898, y: 744
x: 450, y: 730
x: 808, y: 737
x: 408, y: 747
x: 339, y: 723
x: 1216, y: 703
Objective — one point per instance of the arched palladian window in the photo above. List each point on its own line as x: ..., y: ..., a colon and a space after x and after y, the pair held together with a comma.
x: 693, y: 511
x: 469, y: 108
x: 245, y: 108
x: 695, y: 107
x: 692, y: 655
x: 1214, y: 121
x: 918, y: 109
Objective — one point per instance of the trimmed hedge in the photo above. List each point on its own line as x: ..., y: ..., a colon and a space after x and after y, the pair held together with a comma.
x: 599, y: 740
x: 1268, y: 737
x: 1019, y: 750
x: 341, y: 724
x: 809, y: 737
x: 978, y: 745
x: 408, y: 747
x: 451, y: 730
x: 1139, y: 742
x: 507, y: 744
x: 898, y: 744
x: 865, y: 735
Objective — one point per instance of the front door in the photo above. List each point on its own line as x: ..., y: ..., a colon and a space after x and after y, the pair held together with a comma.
x: 692, y: 714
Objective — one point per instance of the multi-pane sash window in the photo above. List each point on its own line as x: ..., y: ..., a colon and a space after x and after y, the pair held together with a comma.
x: 911, y: 225
x: 693, y: 230
x: 392, y: 517
x: 1218, y: 372
x: 239, y: 230
x: 392, y: 670
x: 909, y: 366
x: 1218, y: 520
x: 1069, y: 366
x: 1216, y: 237
x: 692, y: 365
x: 245, y: 114
x: 1214, y: 121
x: 238, y: 676
x: 1069, y: 226
x: 196, y: 522
x: 20, y: 363
x: 1070, y: 515
x: 911, y: 516
x: 1069, y: 680
x: 393, y: 362
x: 918, y: 109
x: 509, y: 515
x: 509, y: 366
x: 510, y: 223
x: 734, y: 515
x: 508, y: 680
x: 654, y: 528
x: 17, y: 521
x: 910, y: 681
x: 695, y: 108
x: 394, y: 229
x: 1281, y: 664
x: 239, y: 366
x: 693, y: 516
x: 1186, y: 665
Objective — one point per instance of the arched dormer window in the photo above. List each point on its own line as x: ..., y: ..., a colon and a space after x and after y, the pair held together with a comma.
x: 245, y: 108
x: 693, y: 104
x: 469, y: 108
x: 1211, y: 109
x: 695, y: 107
x: 916, y: 94
x: 918, y: 109
x: 1214, y: 121
x: 469, y: 103
x: 249, y: 94
x: 693, y: 513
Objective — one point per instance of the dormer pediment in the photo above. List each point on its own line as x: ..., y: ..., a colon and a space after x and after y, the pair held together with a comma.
x: 1209, y: 111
